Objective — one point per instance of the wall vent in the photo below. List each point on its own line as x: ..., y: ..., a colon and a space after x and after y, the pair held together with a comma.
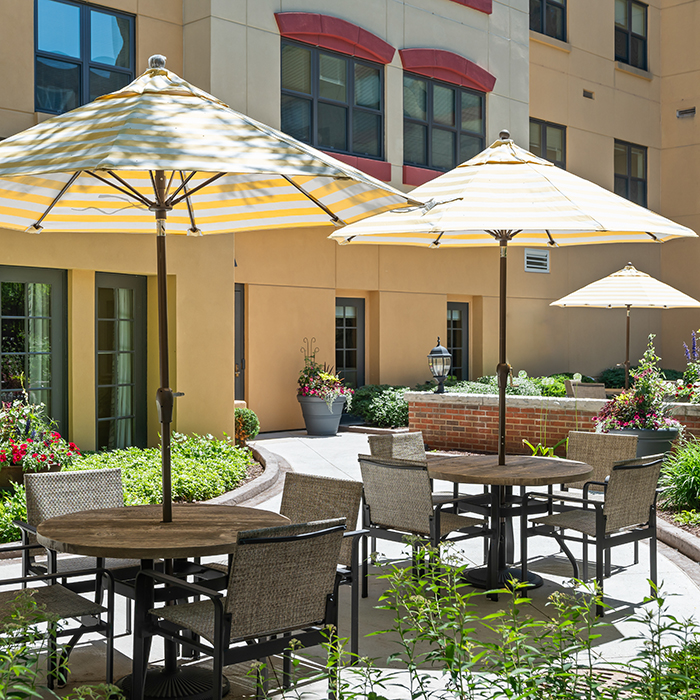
x: 589, y: 95
x: 683, y: 113
x: 536, y: 260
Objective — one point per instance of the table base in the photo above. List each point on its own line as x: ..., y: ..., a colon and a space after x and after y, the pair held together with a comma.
x: 187, y: 683
x: 479, y: 577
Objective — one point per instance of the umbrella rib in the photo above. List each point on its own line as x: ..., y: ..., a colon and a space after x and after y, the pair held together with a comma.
x: 131, y: 189
x: 173, y: 201
x: 184, y: 182
x: 317, y: 202
x: 37, y: 224
x: 193, y: 228
x: 140, y: 197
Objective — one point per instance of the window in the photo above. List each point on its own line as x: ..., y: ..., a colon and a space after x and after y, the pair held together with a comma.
x: 120, y: 362
x: 82, y: 52
x: 350, y: 340
x: 548, y: 141
x: 631, y: 33
x: 458, y: 339
x: 443, y: 124
x: 332, y: 101
x: 631, y: 172
x: 549, y: 17
x: 33, y: 332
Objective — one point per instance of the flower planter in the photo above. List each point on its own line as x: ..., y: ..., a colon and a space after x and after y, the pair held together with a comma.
x: 319, y: 419
x: 14, y: 474
x: 650, y: 442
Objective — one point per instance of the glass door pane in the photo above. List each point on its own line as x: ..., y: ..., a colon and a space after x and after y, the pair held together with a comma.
x: 350, y: 340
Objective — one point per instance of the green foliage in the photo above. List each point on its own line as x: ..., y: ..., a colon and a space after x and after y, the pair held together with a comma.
x: 202, y: 468
x: 247, y: 425
x: 683, y: 667
x: 382, y: 405
x: 319, y: 380
x: 687, y: 517
x: 614, y: 377
x: 680, y: 477
x: 13, y: 506
x: 540, y: 450
x: 522, y: 385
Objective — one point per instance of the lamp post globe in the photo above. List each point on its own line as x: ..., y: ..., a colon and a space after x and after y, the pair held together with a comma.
x: 440, y: 362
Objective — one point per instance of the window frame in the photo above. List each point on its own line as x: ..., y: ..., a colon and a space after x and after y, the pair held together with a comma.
x: 629, y: 34
x: 543, y: 139
x: 543, y: 18
x: 359, y: 304
x: 58, y: 408
x: 84, y: 62
x: 464, y: 308
x: 138, y: 283
x: 628, y: 177
x: 459, y: 89
x: 315, y: 98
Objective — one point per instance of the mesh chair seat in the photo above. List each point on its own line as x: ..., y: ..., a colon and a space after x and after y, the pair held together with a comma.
x: 57, y: 600
x: 579, y: 520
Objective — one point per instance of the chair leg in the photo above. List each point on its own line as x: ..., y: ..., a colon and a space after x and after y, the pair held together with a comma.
x: 608, y: 563
x: 636, y: 552
x: 585, y: 558
x: 652, y: 562
x: 599, y: 569
x: 354, y: 616
x: 365, y: 567
x: 287, y: 665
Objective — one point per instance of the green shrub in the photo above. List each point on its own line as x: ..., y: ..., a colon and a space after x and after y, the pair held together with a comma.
x: 614, y: 377
x: 382, y: 405
x: 680, y: 478
x: 247, y: 425
x: 682, y: 668
x: 202, y: 468
x: 13, y: 506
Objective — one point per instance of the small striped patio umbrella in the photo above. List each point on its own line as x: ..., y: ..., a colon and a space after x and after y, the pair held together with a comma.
x: 624, y: 289
x: 507, y: 196
x: 163, y: 148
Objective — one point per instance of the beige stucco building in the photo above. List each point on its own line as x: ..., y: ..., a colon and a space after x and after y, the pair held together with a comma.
x: 402, y: 90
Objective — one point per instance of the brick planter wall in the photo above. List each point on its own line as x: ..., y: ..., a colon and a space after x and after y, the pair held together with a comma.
x: 470, y: 422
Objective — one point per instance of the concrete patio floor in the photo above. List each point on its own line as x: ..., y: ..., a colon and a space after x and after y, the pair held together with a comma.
x: 337, y: 457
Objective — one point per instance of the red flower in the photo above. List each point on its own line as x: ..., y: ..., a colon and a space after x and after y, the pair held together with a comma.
x: 72, y: 446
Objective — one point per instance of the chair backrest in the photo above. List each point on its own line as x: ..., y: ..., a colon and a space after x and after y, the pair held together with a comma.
x: 398, y: 446
x: 306, y: 498
x: 280, y: 577
x: 600, y: 451
x: 51, y: 494
x: 398, y: 494
x: 584, y: 390
x: 631, y: 492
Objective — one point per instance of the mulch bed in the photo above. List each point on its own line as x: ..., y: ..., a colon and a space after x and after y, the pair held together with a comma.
x: 253, y: 470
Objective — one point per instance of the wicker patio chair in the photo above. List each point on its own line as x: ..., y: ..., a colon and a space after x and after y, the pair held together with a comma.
x: 282, y: 585
x: 601, y: 451
x: 398, y: 503
x: 627, y: 513
x: 58, y: 603
x: 52, y: 494
x: 408, y: 446
x: 584, y: 390
x: 306, y: 498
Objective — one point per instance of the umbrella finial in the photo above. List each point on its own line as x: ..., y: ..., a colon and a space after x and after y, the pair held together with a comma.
x: 504, y: 135
x: 156, y: 61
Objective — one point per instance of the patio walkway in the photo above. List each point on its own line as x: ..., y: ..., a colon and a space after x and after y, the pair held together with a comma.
x: 337, y: 457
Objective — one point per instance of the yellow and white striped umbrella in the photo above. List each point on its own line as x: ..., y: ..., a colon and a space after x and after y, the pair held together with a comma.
x: 505, y: 188
x: 91, y: 168
x: 508, y: 196
x: 628, y: 287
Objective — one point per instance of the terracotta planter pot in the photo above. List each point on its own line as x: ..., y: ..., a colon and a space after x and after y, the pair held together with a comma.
x: 319, y: 419
x: 15, y: 474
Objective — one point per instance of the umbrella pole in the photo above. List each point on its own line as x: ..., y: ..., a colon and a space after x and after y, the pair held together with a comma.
x: 502, y: 370
x: 164, y: 395
x: 627, y: 351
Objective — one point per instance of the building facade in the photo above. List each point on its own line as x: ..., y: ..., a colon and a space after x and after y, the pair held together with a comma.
x: 401, y: 90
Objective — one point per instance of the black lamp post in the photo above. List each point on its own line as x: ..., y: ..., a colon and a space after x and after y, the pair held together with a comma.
x: 440, y: 361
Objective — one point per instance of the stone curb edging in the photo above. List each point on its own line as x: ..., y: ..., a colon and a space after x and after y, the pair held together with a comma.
x: 688, y: 545
x: 265, y: 481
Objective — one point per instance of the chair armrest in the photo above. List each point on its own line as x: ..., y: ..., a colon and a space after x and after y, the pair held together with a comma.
x: 194, y: 588
x: 63, y: 575
x: 356, y: 533
x: 19, y: 547
x: 560, y: 497
x: 26, y: 527
x: 588, y: 484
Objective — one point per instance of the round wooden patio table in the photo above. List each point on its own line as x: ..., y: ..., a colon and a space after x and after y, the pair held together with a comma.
x: 519, y: 470
x: 137, y: 532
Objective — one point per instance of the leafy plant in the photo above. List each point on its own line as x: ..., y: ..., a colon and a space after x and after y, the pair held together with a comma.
x: 687, y: 386
x: 13, y: 506
x: 642, y: 406
x: 202, y: 468
x: 247, y: 425
x: 614, y: 377
x: 687, y: 517
x: 28, y: 438
x: 319, y: 380
x: 382, y: 405
x: 540, y: 450
x: 680, y: 476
